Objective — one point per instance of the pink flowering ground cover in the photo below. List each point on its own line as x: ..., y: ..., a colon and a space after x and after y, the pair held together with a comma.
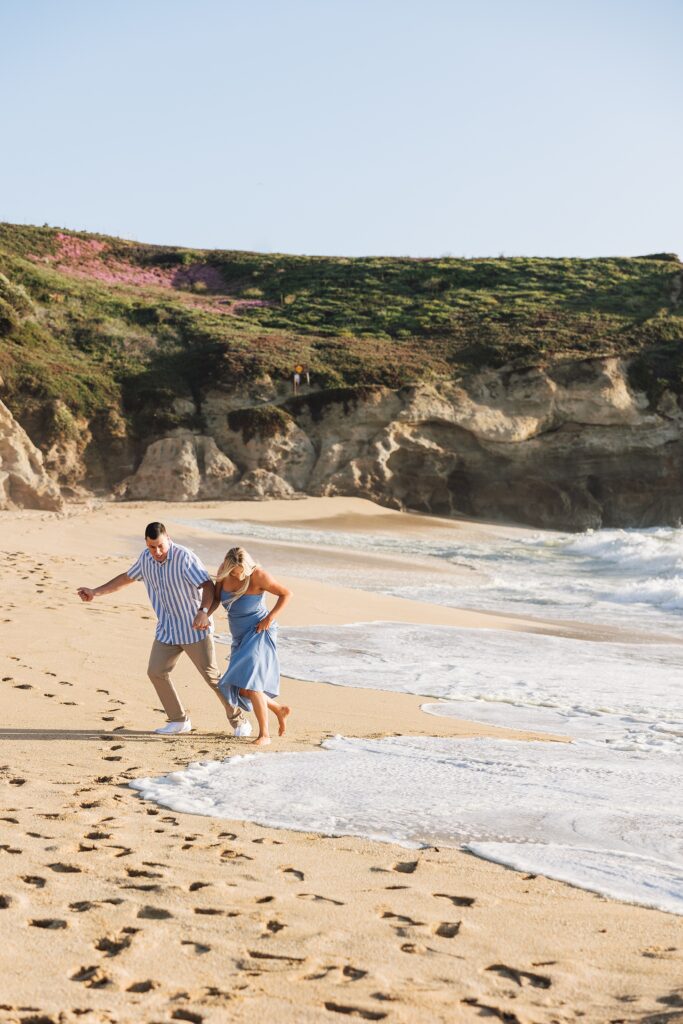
x: 93, y: 260
x: 87, y: 258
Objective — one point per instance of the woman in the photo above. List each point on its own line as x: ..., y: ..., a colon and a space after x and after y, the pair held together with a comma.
x: 252, y: 678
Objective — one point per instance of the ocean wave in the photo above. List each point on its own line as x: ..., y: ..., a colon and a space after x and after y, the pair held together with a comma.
x: 554, y: 808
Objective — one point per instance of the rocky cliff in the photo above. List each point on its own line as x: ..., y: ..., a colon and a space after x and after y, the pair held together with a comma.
x: 24, y: 482
x: 545, y: 391
x: 569, y: 446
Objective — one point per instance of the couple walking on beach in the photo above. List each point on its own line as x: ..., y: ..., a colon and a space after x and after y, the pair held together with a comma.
x: 184, y: 598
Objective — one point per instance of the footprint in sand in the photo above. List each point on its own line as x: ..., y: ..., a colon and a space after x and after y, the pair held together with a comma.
x: 354, y: 973
x: 355, y: 1011
x: 113, y: 945
x: 143, y: 986
x: 406, y: 867
x: 181, y: 1014
x: 447, y: 929
x: 34, y: 880
x: 92, y: 977
x: 5, y: 902
x: 154, y: 913
x: 65, y: 869
x: 295, y: 874
x: 199, y: 947
x: 194, y: 886
x: 402, y: 919
x: 320, y: 899
x: 457, y: 901
x: 53, y: 923
x: 521, y: 977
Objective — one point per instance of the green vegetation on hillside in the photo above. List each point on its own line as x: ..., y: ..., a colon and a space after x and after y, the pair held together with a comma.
x: 89, y: 322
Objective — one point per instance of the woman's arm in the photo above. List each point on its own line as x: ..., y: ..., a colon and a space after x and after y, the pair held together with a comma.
x: 265, y: 581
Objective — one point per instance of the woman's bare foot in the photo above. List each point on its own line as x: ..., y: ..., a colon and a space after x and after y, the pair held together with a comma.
x: 281, y: 716
x: 261, y: 741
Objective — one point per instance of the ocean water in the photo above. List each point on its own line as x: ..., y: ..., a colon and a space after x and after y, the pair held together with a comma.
x: 539, y: 807
x: 632, y: 578
x: 602, y: 811
x: 625, y: 696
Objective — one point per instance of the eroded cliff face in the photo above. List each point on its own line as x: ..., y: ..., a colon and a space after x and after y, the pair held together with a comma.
x: 567, y: 446
x: 570, y: 446
x: 24, y: 482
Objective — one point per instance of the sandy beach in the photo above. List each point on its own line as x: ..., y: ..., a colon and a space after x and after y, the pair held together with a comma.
x: 113, y: 909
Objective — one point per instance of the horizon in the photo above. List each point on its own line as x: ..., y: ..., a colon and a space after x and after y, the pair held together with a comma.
x: 661, y: 253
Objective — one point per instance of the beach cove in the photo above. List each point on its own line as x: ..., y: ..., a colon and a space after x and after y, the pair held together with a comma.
x: 144, y: 912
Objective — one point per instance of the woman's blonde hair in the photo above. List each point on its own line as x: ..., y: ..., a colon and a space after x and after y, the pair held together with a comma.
x: 237, y: 558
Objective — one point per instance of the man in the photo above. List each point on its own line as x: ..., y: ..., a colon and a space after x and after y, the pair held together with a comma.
x: 181, y: 593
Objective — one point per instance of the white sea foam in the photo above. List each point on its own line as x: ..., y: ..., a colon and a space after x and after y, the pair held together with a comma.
x: 629, y: 577
x: 620, y: 694
x: 600, y: 812
x: 601, y: 820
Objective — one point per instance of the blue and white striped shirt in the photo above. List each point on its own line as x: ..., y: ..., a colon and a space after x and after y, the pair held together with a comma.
x: 173, y: 588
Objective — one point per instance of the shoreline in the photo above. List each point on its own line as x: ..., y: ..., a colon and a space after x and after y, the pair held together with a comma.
x: 76, y: 732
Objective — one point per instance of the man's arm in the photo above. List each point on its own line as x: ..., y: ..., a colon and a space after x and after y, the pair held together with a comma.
x: 201, y: 619
x: 122, y: 580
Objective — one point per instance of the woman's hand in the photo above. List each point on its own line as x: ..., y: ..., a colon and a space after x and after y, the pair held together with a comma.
x: 201, y: 620
x: 265, y: 623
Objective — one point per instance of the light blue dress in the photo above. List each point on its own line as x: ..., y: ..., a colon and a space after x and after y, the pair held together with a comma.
x: 254, y: 664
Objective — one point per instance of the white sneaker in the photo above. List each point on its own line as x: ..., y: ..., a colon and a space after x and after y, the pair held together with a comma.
x: 174, y: 728
x: 243, y: 729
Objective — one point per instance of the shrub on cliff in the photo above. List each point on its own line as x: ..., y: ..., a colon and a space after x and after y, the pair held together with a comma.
x: 263, y: 421
x: 9, y: 318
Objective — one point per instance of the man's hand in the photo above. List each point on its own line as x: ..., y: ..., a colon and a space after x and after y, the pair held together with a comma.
x: 86, y: 594
x: 265, y: 623
x: 201, y: 620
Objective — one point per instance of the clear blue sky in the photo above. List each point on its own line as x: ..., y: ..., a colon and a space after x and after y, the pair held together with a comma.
x: 397, y: 127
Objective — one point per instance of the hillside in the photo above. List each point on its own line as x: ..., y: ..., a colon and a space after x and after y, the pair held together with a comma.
x: 107, y: 345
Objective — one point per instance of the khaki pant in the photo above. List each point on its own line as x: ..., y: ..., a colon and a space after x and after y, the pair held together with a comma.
x: 162, y: 660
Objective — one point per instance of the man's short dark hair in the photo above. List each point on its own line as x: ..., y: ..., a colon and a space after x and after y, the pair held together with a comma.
x: 154, y: 530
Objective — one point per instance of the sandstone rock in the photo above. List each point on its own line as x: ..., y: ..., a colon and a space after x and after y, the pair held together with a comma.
x: 23, y: 480
x: 182, y: 468
x: 568, y: 445
x: 571, y: 446
x: 259, y: 484
x: 262, y: 436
